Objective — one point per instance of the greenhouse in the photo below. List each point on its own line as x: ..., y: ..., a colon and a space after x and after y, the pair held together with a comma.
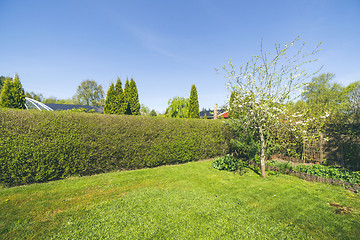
x: 33, y: 104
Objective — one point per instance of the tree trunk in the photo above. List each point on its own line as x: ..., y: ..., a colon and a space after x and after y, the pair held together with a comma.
x: 262, y: 155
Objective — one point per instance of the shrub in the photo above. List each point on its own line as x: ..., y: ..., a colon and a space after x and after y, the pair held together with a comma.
x: 37, y: 146
x: 330, y: 172
x: 227, y: 163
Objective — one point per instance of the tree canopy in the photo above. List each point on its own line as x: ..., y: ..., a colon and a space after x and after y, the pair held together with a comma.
x: 12, y: 94
x: 178, y: 107
x: 119, y: 101
x: 194, y: 111
x: 110, y: 100
x: 90, y: 93
x: 133, y: 98
x: 264, y: 85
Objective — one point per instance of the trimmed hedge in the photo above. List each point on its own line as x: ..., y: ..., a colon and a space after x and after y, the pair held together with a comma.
x: 38, y: 146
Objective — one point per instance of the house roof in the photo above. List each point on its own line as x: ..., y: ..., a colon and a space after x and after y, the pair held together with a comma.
x: 210, y: 113
x: 60, y: 107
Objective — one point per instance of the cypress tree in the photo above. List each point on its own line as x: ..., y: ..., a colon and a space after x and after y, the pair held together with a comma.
x: 194, y: 111
x: 110, y: 99
x: 134, y: 98
x: 6, y: 98
x: 119, y: 103
x: 12, y: 94
x: 2, y: 80
x: 127, y: 96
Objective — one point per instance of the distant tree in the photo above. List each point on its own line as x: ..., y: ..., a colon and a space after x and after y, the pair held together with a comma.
x: 119, y: 100
x: 205, y: 116
x: 352, y: 109
x: 12, y: 94
x: 110, y: 99
x: 193, y: 103
x: 36, y: 96
x: 144, y: 109
x: 134, y: 98
x: 60, y: 101
x: 153, y: 113
x: 89, y: 93
x: 178, y: 107
x: 127, y: 95
x: 321, y: 94
x: 232, y: 106
x: 2, y: 80
x: 6, y: 99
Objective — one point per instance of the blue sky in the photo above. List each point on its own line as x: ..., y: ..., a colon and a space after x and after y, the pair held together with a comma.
x: 166, y: 46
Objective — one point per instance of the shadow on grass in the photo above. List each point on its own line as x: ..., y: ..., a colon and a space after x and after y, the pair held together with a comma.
x: 253, y: 168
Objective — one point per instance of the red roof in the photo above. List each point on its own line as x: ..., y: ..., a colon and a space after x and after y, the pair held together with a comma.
x: 224, y: 115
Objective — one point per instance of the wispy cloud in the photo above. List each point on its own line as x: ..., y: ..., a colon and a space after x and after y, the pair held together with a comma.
x: 152, y: 41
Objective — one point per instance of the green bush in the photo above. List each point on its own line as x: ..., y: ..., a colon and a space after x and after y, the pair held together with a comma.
x: 227, y: 163
x: 38, y: 146
x: 330, y: 172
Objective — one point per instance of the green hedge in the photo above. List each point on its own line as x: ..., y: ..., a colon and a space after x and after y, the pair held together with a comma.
x: 38, y: 146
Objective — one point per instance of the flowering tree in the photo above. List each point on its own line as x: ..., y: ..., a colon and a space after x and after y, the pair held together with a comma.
x: 265, y: 84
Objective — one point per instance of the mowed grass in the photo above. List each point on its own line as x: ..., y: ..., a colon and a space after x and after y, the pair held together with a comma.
x: 189, y: 201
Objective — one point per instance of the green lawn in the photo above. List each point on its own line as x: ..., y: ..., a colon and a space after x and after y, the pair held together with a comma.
x: 189, y: 201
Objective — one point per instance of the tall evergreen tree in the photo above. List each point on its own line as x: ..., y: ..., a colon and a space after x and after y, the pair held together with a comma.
x: 127, y: 96
x: 6, y: 98
x: 194, y: 111
x: 110, y: 99
x: 2, y: 80
x: 134, y: 98
x: 12, y: 94
x: 119, y: 104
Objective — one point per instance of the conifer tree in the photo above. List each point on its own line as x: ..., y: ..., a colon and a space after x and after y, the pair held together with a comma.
x: 134, y: 98
x: 194, y: 111
x: 6, y: 96
x: 127, y: 95
x: 12, y: 94
x: 2, y: 80
x: 110, y: 99
x: 119, y: 102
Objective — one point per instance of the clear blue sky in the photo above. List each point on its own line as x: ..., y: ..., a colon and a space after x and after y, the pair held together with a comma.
x: 166, y: 46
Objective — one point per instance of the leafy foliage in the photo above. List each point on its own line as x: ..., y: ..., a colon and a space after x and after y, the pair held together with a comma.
x: 133, y: 98
x: 178, y: 107
x: 110, y: 100
x: 2, y: 80
x: 119, y: 104
x: 152, y: 113
x: 332, y: 172
x: 127, y: 96
x: 122, y: 102
x: 264, y: 85
x: 38, y: 146
x: 90, y: 93
x: 37, y: 96
x: 194, y: 111
x: 244, y: 142
x: 12, y: 94
x: 227, y: 163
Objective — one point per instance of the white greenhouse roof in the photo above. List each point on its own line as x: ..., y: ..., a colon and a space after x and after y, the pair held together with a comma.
x: 33, y: 104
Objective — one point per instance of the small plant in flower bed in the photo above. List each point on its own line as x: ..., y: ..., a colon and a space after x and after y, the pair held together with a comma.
x: 228, y: 163
x: 321, y: 171
x: 281, y: 165
x: 330, y: 172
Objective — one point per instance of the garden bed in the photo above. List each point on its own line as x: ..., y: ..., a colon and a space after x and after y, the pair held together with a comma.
x: 288, y: 168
